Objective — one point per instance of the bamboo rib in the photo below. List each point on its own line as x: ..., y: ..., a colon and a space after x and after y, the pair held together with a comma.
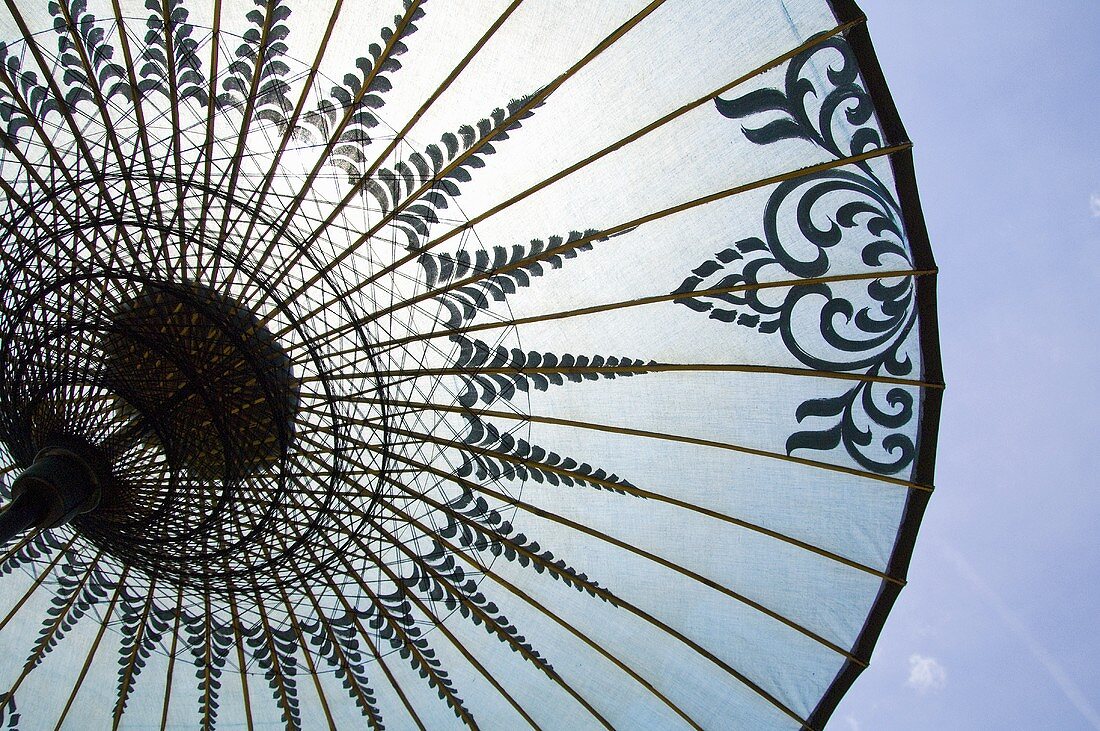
x: 577, y: 424
x: 565, y: 172
x: 618, y: 543
x: 443, y: 86
x: 650, y: 495
x: 618, y: 601
x: 171, y: 661
x: 143, y: 135
x: 104, y: 623
x: 599, y: 591
x: 334, y: 136
x: 531, y: 102
x: 242, y: 666
x: 131, y: 661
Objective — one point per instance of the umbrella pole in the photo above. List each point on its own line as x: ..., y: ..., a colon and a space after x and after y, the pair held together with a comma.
x: 58, y: 486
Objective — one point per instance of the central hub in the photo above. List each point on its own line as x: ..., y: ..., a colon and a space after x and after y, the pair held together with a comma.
x: 203, y: 403
x: 206, y: 377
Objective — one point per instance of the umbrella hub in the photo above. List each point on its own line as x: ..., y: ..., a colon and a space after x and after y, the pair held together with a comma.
x: 170, y: 453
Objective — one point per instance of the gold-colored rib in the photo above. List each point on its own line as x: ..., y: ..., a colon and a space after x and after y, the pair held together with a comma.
x: 174, y: 103
x: 131, y: 661
x: 306, y: 653
x: 242, y: 134
x: 533, y: 101
x: 443, y: 86
x: 489, y: 622
x: 338, y: 648
x: 45, y: 641
x: 38, y: 579
x: 616, y: 542
x: 442, y: 627
x: 378, y: 656
x: 291, y: 127
x: 171, y: 661
x: 334, y: 137
x: 597, y: 590
x: 103, y: 624
x: 663, y: 436
x: 101, y: 105
x: 632, y: 224
x: 640, y: 369
x: 481, y: 567
x: 658, y: 497
x: 97, y: 174
x: 211, y: 107
x: 480, y: 218
x: 242, y: 666
x: 139, y: 112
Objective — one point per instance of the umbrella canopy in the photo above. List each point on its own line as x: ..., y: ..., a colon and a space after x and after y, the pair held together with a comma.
x: 416, y: 364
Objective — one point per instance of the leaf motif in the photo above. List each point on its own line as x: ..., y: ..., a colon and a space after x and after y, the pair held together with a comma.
x: 483, y: 529
x: 337, y: 642
x: 421, y: 169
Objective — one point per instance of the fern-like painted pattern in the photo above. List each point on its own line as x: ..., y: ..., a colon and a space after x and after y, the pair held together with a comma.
x: 256, y: 86
x: 430, y: 551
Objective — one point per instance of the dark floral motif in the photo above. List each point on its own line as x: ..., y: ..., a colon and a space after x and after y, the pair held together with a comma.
x: 810, y: 221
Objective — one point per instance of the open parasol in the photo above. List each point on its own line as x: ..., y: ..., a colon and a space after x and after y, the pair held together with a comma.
x: 422, y: 364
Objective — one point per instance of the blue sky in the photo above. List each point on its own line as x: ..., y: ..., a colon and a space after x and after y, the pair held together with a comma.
x: 998, y: 626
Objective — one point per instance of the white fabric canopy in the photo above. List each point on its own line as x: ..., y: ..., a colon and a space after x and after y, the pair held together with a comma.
x: 551, y: 364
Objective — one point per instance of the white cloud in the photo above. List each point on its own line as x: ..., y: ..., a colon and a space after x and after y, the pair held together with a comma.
x: 925, y: 674
x: 1094, y: 205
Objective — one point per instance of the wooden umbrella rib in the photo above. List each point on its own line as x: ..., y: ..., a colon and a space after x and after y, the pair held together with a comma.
x: 443, y: 86
x: 334, y: 138
x: 658, y: 497
x: 103, y: 624
x: 624, y: 545
x: 686, y: 505
x: 38, y: 580
x: 36, y: 51
x: 639, y: 221
x: 634, y: 136
x: 454, y: 702
x: 211, y: 105
x: 131, y: 661
x: 53, y: 626
x: 531, y: 556
x: 276, y: 671
x: 171, y: 660
x: 292, y: 123
x: 208, y: 662
x: 139, y: 112
x: 101, y: 105
x: 531, y: 102
x: 306, y: 653
x: 592, y: 158
x: 577, y: 424
x: 438, y: 623
x: 362, y: 632
x: 174, y: 103
x: 59, y: 165
x: 479, y: 566
x: 478, y: 611
x: 594, y: 589
x: 242, y: 666
x: 234, y: 167
x: 336, y: 646
x: 645, y: 368
x: 614, y: 599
